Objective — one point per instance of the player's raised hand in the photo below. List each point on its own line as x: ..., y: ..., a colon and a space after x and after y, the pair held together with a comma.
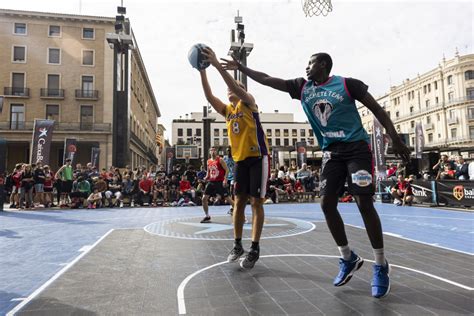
x: 210, y: 56
x: 230, y: 64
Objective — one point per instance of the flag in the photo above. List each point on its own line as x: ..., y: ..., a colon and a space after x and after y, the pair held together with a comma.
x: 70, y: 149
x: 419, y: 140
x: 42, y: 137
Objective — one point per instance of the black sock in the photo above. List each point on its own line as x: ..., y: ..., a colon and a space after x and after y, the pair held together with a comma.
x: 255, y: 246
x: 238, y: 242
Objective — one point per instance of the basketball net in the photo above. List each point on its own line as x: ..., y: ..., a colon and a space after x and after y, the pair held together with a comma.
x: 316, y: 7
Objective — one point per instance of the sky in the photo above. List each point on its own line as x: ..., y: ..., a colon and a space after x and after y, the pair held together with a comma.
x: 379, y: 42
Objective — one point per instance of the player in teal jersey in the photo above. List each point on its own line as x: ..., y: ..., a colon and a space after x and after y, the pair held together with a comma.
x: 329, y: 103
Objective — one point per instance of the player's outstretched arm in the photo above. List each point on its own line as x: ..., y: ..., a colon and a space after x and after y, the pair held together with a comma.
x: 399, y: 148
x: 215, y: 102
x: 260, y: 77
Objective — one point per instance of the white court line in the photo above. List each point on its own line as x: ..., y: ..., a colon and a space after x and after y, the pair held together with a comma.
x: 417, y: 241
x: 55, y: 277
x: 180, y: 292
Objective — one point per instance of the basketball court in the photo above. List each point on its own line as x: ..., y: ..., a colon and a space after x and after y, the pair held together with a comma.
x: 164, y: 262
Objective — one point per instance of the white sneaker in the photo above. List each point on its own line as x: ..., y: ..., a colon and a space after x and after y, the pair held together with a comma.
x: 132, y: 204
x: 397, y: 202
x: 121, y: 204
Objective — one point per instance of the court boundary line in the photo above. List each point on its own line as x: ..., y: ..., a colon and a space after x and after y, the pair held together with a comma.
x: 33, y: 295
x: 182, y: 285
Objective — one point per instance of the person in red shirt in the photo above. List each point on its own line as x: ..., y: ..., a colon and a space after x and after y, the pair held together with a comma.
x: 145, y: 185
x: 402, y: 192
x: 16, y: 178
x: 185, y: 189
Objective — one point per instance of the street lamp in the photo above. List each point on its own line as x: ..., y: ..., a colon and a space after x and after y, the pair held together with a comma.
x: 239, y: 48
x: 121, y: 42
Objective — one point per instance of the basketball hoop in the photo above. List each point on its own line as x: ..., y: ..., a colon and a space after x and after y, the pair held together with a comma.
x: 316, y: 7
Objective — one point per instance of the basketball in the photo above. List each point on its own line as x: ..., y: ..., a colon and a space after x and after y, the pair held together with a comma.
x: 196, y: 58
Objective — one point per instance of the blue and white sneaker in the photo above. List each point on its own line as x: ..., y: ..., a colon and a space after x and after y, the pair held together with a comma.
x: 347, y: 269
x: 381, y: 281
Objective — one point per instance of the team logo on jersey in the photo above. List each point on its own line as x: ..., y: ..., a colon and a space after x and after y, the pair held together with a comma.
x: 362, y: 178
x: 213, y: 172
x: 322, y: 109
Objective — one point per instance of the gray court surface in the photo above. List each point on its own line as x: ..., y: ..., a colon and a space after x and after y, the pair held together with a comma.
x: 178, y: 267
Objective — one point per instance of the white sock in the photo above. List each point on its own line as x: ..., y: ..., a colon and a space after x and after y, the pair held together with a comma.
x: 379, y: 257
x: 345, y: 252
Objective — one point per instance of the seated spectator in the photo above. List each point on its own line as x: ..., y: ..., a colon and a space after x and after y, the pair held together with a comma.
x: 274, y: 187
x: 101, y: 186
x: 81, y: 189
x: 402, y: 192
x: 115, y: 190
x: 299, y: 187
x: 128, y: 188
x: 304, y: 175
x: 95, y: 199
x: 145, y: 186
x: 159, y: 192
x: 185, y: 189
x: 448, y: 173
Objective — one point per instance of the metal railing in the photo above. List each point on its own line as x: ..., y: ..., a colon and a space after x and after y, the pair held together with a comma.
x: 87, y: 94
x: 58, y: 126
x: 16, y: 91
x: 51, y: 93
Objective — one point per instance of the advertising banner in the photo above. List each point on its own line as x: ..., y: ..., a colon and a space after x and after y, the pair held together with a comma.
x: 455, y: 192
x: 423, y: 191
x: 379, y: 151
x: 42, y: 138
x: 300, y: 153
x: 419, y: 140
x: 95, y: 157
x: 70, y: 149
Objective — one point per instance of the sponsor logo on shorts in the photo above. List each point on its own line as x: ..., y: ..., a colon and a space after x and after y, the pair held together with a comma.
x: 362, y: 178
x: 322, y: 185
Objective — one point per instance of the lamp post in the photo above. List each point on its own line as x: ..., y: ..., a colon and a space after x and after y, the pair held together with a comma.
x: 121, y: 42
x: 239, y: 48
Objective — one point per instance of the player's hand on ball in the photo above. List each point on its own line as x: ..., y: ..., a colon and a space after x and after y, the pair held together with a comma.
x: 210, y: 56
x: 230, y: 64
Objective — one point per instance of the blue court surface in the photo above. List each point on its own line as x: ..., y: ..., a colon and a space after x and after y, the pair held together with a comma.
x: 37, y: 245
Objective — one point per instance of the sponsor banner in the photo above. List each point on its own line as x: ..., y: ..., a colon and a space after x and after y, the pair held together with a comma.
x: 95, y: 157
x: 455, y: 192
x: 70, y: 149
x: 300, y: 153
x: 419, y: 140
x: 379, y: 151
x: 42, y: 137
x: 169, y: 159
x: 423, y: 191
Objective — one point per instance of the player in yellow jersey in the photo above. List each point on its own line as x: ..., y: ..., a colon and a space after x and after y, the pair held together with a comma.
x: 250, y: 153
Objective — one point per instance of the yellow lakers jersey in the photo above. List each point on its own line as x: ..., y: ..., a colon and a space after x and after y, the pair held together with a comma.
x: 245, y: 131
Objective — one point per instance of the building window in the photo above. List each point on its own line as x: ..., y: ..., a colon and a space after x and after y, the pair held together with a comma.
x: 52, y: 112
x: 436, y: 85
x: 470, y: 113
x: 412, y: 124
x: 469, y: 75
x: 294, y: 133
x: 18, y: 83
x: 54, y: 56
x: 225, y: 142
x: 303, y: 132
x: 293, y: 141
x: 270, y: 142
x: 88, y: 57
x: 429, y: 87
x: 277, y: 133
x: 180, y: 132
x: 397, y: 114
x: 428, y: 119
x: 439, y: 135
x: 424, y: 89
x: 87, y: 117
x: 430, y: 137
x: 198, y: 132
x: 450, y: 79
x: 17, y: 116
x: 413, y: 140
x: 87, y: 86
x: 277, y: 142
x: 452, y: 113
x: 454, y: 133
x: 216, y: 141
x: 427, y: 103
x: 54, y: 31
x: 411, y: 109
x: 286, y: 142
x: 19, y: 29
x: 311, y: 133
x: 470, y: 93
x: 269, y: 132
x: 438, y: 117
x: 471, y: 132
x: 19, y: 54
x: 88, y: 33
x: 189, y: 132
x: 286, y: 133
x: 450, y: 96
x: 224, y: 132
x: 216, y: 132
x: 53, y: 85
x: 437, y: 100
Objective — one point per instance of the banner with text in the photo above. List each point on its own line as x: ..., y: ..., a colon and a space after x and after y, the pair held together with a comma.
x: 455, y: 192
x: 70, y: 149
x: 95, y: 157
x: 300, y: 153
x: 379, y: 151
x: 423, y: 191
x: 42, y: 138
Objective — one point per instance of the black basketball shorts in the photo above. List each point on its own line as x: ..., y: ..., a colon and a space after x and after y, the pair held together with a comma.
x: 251, y: 176
x: 215, y: 187
x: 347, y: 162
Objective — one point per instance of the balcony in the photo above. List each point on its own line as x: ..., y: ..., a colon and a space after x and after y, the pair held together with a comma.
x: 87, y: 94
x: 429, y: 126
x: 452, y: 120
x: 16, y: 92
x: 46, y: 93
x: 58, y: 126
